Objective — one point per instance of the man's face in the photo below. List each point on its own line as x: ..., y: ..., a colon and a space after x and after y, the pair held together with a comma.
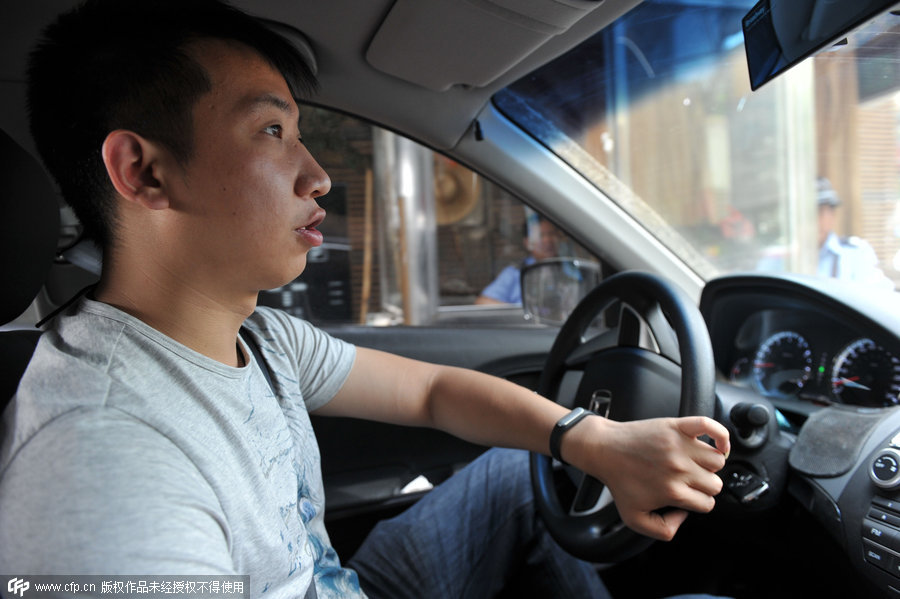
x: 247, y: 198
x: 544, y: 244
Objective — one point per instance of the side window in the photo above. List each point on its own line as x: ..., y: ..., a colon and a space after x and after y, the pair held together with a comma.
x: 411, y: 237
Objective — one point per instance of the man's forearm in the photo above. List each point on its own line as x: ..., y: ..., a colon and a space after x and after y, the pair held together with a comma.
x: 491, y: 411
x: 477, y: 407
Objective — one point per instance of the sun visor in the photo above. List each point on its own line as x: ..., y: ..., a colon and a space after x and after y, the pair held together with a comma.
x: 438, y: 44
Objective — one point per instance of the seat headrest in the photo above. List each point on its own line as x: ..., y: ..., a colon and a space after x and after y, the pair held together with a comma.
x: 29, y: 227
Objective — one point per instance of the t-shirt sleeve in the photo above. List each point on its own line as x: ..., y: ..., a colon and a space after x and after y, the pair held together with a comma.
x: 319, y: 362
x: 114, y: 484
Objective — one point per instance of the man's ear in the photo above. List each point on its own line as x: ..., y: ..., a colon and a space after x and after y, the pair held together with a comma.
x: 132, y: 163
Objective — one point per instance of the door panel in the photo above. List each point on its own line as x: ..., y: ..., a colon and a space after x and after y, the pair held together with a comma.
x: 366, y: 465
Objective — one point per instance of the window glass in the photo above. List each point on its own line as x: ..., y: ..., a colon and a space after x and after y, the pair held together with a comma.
x: 801, y: 175
x: 411, y: 236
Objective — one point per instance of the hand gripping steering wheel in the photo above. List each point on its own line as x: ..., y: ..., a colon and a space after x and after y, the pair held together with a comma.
x: 623, y: 381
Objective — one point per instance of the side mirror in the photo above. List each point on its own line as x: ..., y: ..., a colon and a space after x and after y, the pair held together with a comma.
x: 552, y: 288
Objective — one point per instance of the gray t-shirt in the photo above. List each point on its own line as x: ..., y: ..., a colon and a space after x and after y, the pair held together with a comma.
x: 126, y: 452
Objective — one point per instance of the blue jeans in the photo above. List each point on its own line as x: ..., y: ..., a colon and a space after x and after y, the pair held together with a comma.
x: 475, y: 534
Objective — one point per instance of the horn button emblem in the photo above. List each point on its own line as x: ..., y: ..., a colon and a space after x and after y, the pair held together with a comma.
x: 601, y: 400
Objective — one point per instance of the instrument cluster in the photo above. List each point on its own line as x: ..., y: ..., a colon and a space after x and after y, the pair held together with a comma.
x: 785, y: 355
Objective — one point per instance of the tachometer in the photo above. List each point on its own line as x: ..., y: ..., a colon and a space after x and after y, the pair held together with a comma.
x: 866, y: 374
x: 782, y: 364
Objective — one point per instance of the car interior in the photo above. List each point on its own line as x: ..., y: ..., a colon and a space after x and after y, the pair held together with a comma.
x: 803, y: 370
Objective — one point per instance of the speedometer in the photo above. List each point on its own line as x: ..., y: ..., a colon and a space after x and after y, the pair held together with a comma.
x: 782, y: 364
x: 866, y: 374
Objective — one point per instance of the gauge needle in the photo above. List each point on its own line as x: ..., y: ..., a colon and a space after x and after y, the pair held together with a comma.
x: 852, y: 384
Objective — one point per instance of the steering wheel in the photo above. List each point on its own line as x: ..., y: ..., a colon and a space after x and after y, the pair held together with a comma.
x: 623, y: 381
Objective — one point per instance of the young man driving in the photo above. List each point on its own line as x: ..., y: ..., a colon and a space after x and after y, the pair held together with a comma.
x: 146, y: 439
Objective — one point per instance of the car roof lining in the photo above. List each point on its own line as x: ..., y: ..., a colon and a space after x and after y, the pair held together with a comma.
x: 477, y: 42
x: 342, y: 35
x: 438, y: 118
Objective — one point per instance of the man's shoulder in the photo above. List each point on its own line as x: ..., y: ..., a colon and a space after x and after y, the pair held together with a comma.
x: 265, y: 318
x: 75, y: 437
x: 94, y: 365
x: 849, y: 245
x: 273, y: 320
x: 301, y: 354
x: 282, y: 334
x: 104, y: 475
x: 854, y: 242
x: 62, y: 376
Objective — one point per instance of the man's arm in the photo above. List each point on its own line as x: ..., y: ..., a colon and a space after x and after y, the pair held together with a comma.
x: 503, y: 289
x: 97, y: 492
x: 647, y: 465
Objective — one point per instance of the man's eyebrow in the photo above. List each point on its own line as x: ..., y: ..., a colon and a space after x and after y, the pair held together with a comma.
x: 251, y: 103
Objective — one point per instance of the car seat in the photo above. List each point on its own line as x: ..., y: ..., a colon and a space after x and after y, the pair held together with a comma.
x: 29, y: 229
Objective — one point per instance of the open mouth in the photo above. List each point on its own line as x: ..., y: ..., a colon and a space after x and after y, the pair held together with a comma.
x: 309, y: 232
x: 315, y: 222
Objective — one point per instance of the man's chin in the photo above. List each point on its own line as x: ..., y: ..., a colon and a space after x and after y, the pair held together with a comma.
x: 282, y: 279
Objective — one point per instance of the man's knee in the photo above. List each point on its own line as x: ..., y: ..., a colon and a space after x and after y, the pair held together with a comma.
x: 503, y: 476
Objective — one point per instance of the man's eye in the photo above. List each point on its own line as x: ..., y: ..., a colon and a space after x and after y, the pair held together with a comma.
x: 273, y: 130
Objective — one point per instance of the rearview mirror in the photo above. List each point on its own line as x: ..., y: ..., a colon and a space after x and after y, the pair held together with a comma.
x: 552, y: 288
x: 780, y: 33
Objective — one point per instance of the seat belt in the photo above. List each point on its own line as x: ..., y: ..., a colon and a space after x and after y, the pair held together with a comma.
x: 257, y: 355
x: 264, y: 366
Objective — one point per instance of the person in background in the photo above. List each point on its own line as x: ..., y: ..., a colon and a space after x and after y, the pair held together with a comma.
x: 846, y: 258
x: 541, y: 240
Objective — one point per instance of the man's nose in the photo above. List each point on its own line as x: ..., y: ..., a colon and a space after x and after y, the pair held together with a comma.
x: 312, y: 180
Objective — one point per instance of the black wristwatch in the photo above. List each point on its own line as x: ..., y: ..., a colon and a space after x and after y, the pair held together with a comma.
x: 564, y: 424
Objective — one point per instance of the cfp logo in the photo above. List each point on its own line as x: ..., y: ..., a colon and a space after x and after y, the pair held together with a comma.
x: 17, y: 586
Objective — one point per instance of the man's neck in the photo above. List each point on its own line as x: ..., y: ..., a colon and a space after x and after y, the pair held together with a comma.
x: 203, y: 319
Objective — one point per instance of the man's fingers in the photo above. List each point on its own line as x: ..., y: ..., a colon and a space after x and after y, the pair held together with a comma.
x: 708, y: 484
x: 696, y: 496
x: 707, y: 457
x: 700, y: 495
x: 697, y: 426
x: 657, y: 525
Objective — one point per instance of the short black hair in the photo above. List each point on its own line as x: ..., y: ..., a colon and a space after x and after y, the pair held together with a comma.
x: 114, y: 64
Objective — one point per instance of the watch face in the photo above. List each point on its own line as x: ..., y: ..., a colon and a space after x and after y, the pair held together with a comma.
x: 570, y: 418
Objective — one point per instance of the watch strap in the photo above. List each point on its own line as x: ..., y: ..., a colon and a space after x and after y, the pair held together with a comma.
x: 564, y: 424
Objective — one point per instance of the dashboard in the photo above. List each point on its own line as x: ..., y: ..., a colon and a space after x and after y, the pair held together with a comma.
x: 806, y: 340
x: 806, y: 354
x: 823, y: 357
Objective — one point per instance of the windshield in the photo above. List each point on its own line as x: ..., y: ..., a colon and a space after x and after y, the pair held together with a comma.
x: 801, y: 175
